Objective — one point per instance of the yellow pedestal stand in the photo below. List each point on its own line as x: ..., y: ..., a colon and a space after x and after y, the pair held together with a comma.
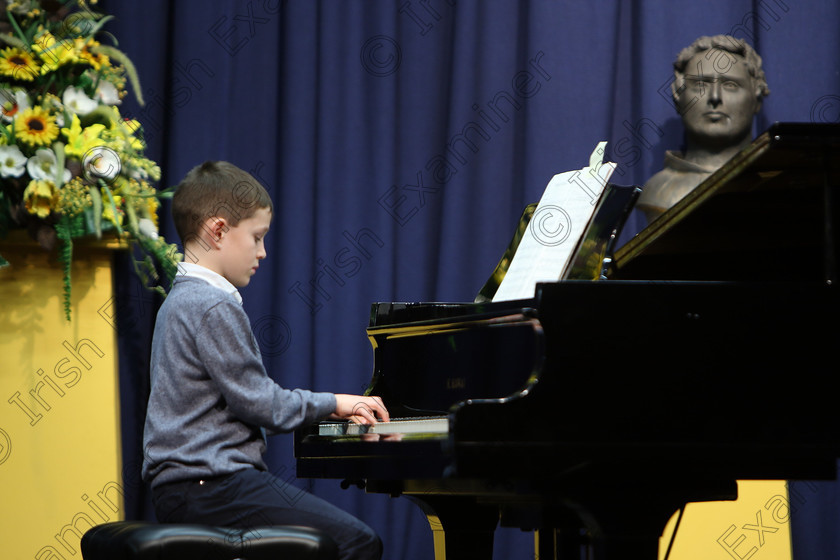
x: 60, y: 467
x: 757, y: 525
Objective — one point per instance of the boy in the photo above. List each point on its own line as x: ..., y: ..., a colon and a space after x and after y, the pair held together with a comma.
x: 210, y: 396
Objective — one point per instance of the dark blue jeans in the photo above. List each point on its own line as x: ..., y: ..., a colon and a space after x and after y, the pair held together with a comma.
x: 250, y: 498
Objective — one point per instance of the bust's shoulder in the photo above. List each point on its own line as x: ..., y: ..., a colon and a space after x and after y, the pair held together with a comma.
x: 666, y: 187
x: 658, y: 179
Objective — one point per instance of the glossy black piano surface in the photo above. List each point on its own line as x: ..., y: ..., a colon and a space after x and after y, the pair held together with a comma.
x: 575, y: 406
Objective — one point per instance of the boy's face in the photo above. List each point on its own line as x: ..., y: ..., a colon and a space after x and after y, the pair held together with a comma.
x: 243, y: 247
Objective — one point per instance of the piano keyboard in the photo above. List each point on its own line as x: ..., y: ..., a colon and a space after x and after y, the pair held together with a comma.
x: 421, y: 425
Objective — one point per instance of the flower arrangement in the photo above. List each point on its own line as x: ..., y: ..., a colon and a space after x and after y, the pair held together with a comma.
x: 70, y: 164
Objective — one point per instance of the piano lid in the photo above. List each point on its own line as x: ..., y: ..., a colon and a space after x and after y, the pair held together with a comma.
x: 767, y: 214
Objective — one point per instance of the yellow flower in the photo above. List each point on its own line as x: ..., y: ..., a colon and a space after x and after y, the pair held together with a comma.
x: 121, y: 133
x: 140, y: 195
x: 73, y: 198
x: 36, y: 127
x: 18, y: 64
x: 108, y: 209
x: 115, y: 139
x: 131, y: 126
x: 38, y: 197
x: 124, y: 186
x: 151, y: 209
x: 58, y: 52
x: 54, y: 53
x: 80, y: 140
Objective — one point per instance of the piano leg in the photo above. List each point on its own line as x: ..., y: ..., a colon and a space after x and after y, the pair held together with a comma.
x: 558, y: 544
x: 462, y: 528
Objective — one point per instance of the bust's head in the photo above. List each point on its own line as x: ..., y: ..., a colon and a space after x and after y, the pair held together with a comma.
x: 718, y: 88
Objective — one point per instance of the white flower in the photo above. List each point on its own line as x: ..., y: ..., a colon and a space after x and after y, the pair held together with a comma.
x: 12, y: 103
x: 12, y: 161
x: 77, y: 102
x: 59, y: 113
x: 107, y: 93
x: 138, y: 173
x: 147, y: 228
x: 42, y: 165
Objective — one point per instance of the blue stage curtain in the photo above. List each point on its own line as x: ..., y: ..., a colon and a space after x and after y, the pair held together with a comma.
x: 400, y: 142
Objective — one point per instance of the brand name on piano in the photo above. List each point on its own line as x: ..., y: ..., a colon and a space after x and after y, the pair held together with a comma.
x: 456, y: 383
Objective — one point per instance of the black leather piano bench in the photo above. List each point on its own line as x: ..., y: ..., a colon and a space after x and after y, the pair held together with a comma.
x: 134, y: 540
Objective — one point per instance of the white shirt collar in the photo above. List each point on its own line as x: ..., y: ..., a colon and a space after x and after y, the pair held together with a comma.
x: 192, y: 270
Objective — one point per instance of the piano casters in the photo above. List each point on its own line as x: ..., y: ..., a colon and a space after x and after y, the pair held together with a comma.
x: 462, y: 528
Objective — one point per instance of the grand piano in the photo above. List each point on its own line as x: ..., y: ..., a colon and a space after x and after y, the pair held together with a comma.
x: 595, y: 410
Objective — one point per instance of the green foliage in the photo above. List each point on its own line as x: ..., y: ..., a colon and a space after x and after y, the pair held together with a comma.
x: 156, y: 252
x: 65, y: 230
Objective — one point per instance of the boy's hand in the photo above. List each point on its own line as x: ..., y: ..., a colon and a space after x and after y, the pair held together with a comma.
x: 359, y: 409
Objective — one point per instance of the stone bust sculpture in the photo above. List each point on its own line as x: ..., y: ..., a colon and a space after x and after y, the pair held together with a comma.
x: 717, y: 90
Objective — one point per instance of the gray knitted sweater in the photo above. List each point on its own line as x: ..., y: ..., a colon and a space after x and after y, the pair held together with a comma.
x: 211, y: 400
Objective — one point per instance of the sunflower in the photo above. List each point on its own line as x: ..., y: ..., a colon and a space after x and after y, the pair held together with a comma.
x: 36, y: 127
x: 95, y: 59
x: 18, y: 64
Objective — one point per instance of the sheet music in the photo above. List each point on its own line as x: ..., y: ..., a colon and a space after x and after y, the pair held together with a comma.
x: 559, y: 221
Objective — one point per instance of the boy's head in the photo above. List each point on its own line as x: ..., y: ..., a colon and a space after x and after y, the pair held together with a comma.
x: 216, y: 189
x: 222, y: 214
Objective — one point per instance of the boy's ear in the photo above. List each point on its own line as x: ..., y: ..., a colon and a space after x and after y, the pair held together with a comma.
x: 215, y: 227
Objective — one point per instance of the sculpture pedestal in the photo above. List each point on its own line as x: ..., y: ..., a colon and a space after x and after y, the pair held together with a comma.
x: 60, y: 457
